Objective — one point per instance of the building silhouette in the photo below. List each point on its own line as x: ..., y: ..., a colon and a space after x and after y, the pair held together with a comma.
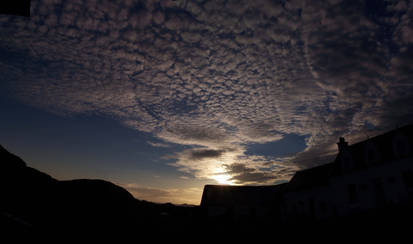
x: 372, y: 175
x: 15, y: 7
x: 242, y: 202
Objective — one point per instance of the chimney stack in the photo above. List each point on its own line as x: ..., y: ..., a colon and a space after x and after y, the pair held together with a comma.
x: 342, y: 144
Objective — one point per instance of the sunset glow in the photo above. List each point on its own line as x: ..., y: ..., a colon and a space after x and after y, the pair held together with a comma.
x: 223, y: 179
x: 221, y: 176
x: 167, y: 96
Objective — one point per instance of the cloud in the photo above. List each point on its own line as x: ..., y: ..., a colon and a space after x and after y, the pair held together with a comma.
x: 242, y: 174
x: 197, y: 133
x: 206, y: 163
x: 157, y: 144
x: 233, y: 164
x: 260, y: 170
x: 216, y: 75
x: 205, y: 153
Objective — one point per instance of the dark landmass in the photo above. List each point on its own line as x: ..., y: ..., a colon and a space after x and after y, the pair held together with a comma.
x: 35, y: 206
x: 15, y: 7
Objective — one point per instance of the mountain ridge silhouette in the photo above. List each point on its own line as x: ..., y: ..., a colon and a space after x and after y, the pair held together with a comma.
x: 34, y: 204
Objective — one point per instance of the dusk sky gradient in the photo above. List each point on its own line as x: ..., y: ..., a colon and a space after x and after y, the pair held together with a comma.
x: 163, y: 97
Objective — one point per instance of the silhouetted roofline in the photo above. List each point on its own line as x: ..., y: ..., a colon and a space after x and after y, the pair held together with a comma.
x: 385, y: 134
x: 226, y: 194
x: 311, y: 177
x: 15, y: 7
x: 319, y: 175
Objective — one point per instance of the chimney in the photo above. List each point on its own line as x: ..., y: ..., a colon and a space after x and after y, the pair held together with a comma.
x: 342, y: 144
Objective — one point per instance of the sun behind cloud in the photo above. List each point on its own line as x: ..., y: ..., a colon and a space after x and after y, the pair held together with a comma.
x: 209, y: 80
x: 222, y: 177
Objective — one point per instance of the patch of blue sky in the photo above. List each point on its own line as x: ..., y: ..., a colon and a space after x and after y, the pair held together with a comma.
x: 288, y: 145
x: 83, y: 140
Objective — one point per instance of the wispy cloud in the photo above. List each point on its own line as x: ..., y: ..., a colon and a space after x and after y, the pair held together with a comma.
x: 158, y: 144
x: 216, y: 75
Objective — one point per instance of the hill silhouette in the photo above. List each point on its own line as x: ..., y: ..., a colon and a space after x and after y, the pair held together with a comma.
x: 35, y: 205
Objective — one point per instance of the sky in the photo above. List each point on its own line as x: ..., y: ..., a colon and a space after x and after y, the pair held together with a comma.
x: 163, y: 97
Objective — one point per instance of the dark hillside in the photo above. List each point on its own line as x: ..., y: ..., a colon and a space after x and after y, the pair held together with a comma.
x: 36, y: 205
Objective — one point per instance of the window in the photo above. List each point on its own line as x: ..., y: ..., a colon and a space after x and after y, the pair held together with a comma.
x: 312, y: 207
x: 352, y: 193
x: 401, y: 146
x: 408, y: 178
x: 392, y: 180
x: 347, y: 163
x: 294, y: 208
x: 371, y: 153
x: 323, y: 207
x: 372, y: 156
x: 379, y: 191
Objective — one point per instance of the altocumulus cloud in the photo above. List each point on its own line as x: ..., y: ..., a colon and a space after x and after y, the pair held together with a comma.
x: 217, y: 75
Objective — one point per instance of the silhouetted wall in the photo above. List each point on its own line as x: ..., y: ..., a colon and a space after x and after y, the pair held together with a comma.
x: 375, y: 174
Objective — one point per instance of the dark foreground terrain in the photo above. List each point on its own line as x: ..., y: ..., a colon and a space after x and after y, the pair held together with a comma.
x: 35, y: 206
